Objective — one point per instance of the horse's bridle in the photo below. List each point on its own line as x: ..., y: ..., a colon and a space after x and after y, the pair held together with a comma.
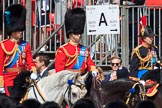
x: 38, y: 90
x: 34, y: 82
x: 142, y: 92
x: 69, y: 88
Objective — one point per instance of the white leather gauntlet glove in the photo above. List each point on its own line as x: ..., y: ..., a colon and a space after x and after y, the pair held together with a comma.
x: 33, y: 76
x: 142, y: 82
x: 94, y: 73
x: 2, y: 90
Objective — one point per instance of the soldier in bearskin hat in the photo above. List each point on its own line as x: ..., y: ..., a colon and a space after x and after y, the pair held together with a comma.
x: 15, y: 53
x: 73, y: 56
x: 144, y: 60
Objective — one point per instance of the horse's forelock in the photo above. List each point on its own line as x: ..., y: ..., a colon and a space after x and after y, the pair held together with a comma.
x: 21, y: 78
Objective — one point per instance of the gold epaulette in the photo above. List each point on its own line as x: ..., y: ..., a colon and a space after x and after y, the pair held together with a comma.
x: 8, y: 52
x: 74, y: 56
x: 135, y: 50
x: 60, y: 47
x: 148, y: 68
x: 11, y: 53
x: 144, y: 62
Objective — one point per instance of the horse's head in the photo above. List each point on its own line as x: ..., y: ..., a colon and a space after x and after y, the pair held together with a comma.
x: 77, y: 89
x: 18, y: 89
x: 123, y: 89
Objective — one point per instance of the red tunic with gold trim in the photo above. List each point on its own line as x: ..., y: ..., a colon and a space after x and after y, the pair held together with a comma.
x: 15, y: 57
x: 73, y: 57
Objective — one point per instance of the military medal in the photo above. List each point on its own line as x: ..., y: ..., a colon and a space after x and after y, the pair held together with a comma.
x: 86, y: 54
x: 23, y: 62
x: 23, y: 55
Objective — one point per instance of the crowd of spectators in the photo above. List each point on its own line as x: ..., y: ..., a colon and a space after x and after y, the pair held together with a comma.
x: 6, y: 102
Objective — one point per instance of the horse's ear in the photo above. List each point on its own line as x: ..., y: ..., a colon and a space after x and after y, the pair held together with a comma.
x: 84, y: 77
x: 81, y: 78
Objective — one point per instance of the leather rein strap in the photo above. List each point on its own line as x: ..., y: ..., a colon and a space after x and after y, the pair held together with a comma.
x: 38, y: 90
x: 142, y: 92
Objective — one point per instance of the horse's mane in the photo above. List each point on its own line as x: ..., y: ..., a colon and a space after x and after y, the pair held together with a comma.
x: 108, y: 91
x: 20, y: 79
x: 19, y: 88
x: 53, y: 87
x: 153, y: 75
x: 50, y: 82
x: 117, y: 85
x: 56, y: 79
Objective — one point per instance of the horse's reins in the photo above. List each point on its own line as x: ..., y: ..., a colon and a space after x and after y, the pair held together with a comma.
x: 37, y: 88
x: 141, y: 93
x: 69, y: 88
x: 28, y: 80
x: 69, y: 96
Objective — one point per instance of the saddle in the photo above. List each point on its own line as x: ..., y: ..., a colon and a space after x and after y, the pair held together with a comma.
x: 151, y: 86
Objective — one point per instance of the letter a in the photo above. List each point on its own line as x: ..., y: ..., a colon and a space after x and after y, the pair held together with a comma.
x: 102, y: 19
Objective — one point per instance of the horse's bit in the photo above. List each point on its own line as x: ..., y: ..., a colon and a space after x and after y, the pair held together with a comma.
x: 31, y: 81
x: 69, y: 88
x: 142, y: 92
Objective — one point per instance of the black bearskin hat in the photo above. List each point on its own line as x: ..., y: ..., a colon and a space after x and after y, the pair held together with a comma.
x: 74, y: 21
x: 15, y: 17
x: 147, y: 32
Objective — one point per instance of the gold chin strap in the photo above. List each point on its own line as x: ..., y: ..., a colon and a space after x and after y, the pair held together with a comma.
x: 73, y: 43
x: 14, y: 40
x: 33, y: 69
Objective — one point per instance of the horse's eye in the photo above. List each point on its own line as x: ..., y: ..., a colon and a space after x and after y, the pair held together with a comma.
x: 74, y: 94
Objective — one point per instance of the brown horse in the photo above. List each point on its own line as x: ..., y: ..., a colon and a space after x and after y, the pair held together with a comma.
x: 104, y: 92
x: 129, y: 91
x: 155, y: 75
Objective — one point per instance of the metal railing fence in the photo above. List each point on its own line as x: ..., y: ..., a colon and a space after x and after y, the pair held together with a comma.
x: 45, y: 30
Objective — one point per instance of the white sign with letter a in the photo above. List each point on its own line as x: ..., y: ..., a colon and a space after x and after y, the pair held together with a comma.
x: 102, y: 19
